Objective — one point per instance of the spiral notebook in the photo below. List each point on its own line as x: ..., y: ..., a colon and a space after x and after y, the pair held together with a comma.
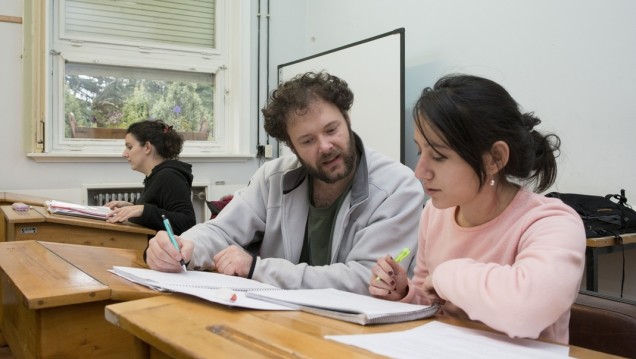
x: 347, y: 306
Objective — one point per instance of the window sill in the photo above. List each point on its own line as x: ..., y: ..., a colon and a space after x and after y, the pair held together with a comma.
x: 106, y: 157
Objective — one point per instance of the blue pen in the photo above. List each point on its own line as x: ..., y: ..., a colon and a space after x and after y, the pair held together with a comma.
x: 166, y: 224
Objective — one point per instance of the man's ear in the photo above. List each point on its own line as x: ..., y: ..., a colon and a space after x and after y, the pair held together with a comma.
x: 497, y: 158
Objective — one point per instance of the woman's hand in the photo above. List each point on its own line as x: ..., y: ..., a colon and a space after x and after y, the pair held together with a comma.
x: 117, y: 204
x: 428, y: 291
x: 388, y: 279
x: 122, y: 214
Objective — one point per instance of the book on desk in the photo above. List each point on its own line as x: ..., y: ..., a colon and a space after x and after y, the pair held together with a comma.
x: 248, y: 293
x: 78, y: 210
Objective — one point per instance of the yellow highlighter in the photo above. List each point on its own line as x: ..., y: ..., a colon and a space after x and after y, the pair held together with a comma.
x: 403, y: 254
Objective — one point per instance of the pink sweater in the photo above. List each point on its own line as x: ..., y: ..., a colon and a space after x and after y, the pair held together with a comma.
x: 518, y: 274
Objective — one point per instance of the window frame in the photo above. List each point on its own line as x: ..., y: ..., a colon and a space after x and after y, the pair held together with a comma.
x: 232, y: 91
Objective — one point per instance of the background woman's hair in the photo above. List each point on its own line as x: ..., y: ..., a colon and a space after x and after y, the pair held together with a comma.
x: 166, y: 140
x: 471, y: 113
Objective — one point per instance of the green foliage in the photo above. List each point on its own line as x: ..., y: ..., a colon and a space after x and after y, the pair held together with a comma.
x: 181, y: 107
x: 137, y: 107
x: 77, y: 101
x: 110, y: 102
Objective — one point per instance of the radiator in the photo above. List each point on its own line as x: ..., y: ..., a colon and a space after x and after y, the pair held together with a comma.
x: 100, y: 194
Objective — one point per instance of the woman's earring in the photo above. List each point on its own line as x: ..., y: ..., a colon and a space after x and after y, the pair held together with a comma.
x: 492, y: 182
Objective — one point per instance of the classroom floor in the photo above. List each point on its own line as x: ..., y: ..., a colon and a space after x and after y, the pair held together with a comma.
x: 5, y: 353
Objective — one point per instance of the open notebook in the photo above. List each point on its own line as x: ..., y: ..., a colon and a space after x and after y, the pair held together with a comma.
x: 214, y: 287
x: 247, y: 293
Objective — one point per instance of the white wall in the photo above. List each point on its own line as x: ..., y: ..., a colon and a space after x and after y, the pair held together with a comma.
x: 569, y: 61
x: 572, y: 62
x: 64, y: 180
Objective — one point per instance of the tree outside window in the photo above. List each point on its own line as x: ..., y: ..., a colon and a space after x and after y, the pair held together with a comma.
x: 109, y: 103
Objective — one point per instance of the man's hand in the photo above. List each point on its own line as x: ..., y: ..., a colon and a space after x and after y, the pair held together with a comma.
x: 233, y: 260
x: 161, y: 254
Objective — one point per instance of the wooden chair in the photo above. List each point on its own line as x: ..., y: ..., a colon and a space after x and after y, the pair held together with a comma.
x: 603, y: 323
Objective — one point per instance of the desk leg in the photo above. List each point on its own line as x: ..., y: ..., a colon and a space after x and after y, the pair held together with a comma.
x: 154, y: 353
x: 143, y: 350
x: 591, y: 269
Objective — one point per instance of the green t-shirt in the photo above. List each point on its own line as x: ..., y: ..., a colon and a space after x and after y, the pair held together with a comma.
x: 319, y: 231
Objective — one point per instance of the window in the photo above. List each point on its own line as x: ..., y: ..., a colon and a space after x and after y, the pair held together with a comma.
x: 110, y: 63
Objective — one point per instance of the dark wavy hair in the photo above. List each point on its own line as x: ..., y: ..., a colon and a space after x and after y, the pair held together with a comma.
x: 297, y: 94
x: 471, y: 113
x: 166, y: 140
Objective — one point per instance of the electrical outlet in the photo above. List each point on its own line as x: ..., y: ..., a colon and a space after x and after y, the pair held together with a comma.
x: 268, y: 151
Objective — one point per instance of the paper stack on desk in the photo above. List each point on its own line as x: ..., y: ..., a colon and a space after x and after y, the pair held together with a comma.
x: 248, y: 293
x: 78, y: 210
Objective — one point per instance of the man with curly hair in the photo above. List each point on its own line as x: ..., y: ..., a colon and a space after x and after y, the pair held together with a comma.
x: 316, y: 219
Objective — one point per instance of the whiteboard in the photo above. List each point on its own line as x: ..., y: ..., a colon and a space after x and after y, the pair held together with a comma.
x: 374, y: 70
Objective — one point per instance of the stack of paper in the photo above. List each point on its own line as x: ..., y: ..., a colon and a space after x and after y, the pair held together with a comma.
x: 72, y: 209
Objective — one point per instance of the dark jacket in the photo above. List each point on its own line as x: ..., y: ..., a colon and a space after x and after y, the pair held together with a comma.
x: 168, y: 191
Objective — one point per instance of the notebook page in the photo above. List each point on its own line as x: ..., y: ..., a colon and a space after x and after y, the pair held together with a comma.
x: 190, y: 279
x: 240, y: 299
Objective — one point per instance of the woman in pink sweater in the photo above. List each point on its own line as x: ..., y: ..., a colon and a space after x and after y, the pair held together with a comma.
x: 489, y: 249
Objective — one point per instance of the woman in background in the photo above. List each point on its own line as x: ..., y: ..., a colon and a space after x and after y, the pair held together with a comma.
x: 153, y: 148
x: 489, y: 249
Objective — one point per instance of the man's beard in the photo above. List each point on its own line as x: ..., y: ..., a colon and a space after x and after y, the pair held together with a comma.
x: 348, y: 158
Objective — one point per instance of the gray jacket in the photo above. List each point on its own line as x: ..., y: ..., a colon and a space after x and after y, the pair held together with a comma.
x: 379, y: 216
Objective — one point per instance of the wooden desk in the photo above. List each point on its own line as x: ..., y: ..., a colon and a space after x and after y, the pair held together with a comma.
x: 10, y: 198
x: 38, y: 224
x: 53, y: 299
x: 179, y: 326
x: 602, y: 245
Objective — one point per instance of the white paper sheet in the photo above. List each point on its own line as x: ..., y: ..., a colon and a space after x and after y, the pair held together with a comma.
x: 221, y: 296
x: 214, y: 287
x: 439, y: 340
